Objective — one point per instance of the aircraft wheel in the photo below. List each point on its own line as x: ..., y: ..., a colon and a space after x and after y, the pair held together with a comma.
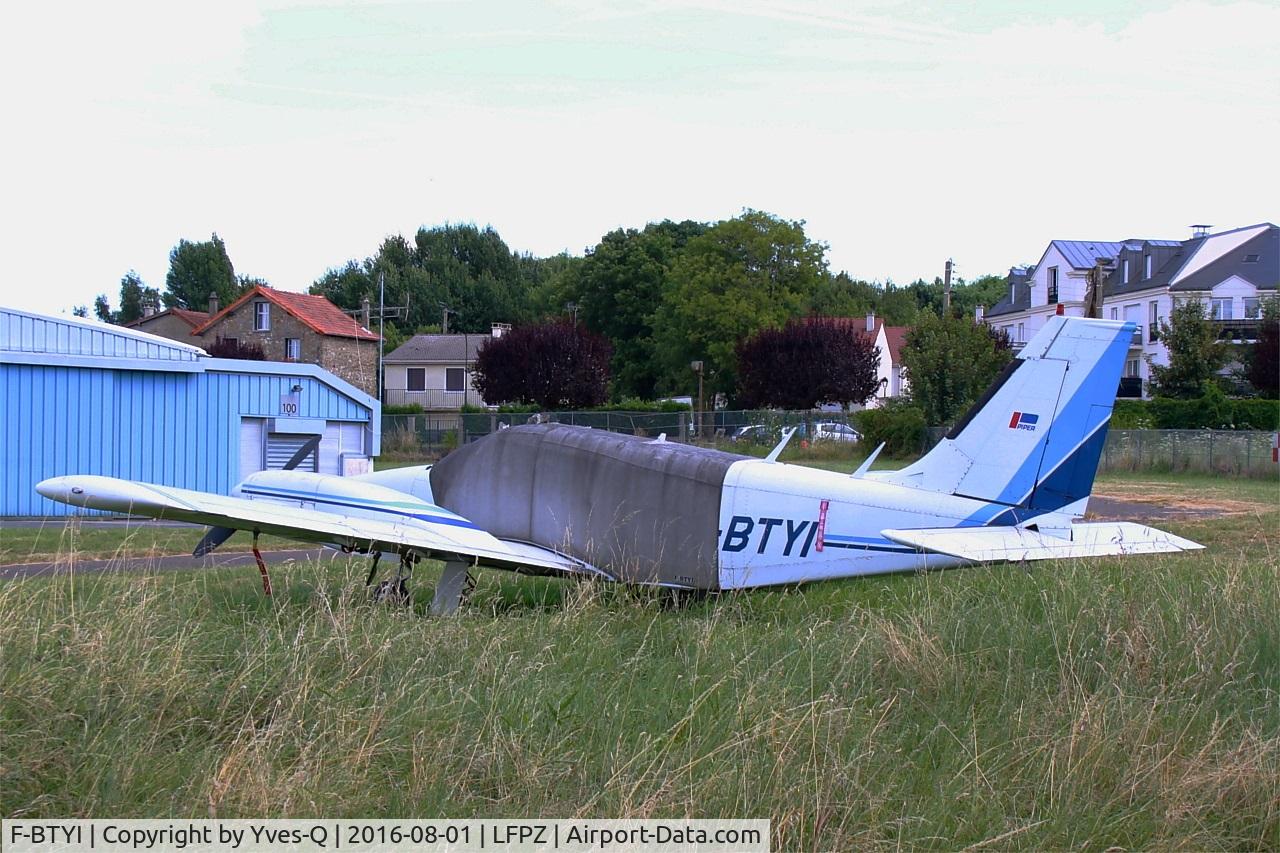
x: 391, y: 592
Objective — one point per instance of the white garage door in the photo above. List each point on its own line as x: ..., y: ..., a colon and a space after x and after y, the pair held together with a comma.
x: 260, y: 450
x: 252, y: 435
x: 281, y: 446
x: 340, y: 437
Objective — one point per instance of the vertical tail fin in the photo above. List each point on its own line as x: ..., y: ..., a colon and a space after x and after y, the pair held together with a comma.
x: 1032, y: 443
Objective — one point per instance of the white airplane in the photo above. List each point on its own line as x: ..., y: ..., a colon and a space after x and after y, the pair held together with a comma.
x: 1009, y: 483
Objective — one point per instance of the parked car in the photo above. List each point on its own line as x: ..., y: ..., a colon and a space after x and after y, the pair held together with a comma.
x: 752, y: 434
x: 828, y: 431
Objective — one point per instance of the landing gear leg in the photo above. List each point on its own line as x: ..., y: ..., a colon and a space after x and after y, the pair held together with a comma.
x: 262, y: 566
x: 373, y: 568
x: 455, y: 584
x: 397, y: 589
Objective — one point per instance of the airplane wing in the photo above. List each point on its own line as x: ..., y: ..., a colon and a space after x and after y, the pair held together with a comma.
x: 992, y: 544
x: 444, y: 537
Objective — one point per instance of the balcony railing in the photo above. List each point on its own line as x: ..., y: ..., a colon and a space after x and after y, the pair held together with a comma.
x: 1130, y: 387
x: 432, y: 399
x: 1244, y: 330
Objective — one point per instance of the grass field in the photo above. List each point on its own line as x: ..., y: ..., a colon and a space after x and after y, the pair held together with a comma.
x: 1133, y: 703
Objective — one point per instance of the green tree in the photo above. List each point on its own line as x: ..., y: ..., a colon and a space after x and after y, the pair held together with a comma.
x: 469, y: 272
x: 898, y: 305
x: 1195, y: 353
x: 197, y: 270
x: 617, y: 290
x: 742, y: 275
x: 135, y: 298
x: 841, y: 296
x: 949, y: 362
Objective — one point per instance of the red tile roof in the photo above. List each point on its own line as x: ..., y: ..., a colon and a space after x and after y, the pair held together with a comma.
x: 315, y: 312
x: 895, y: 336
x: 897, y: 339
x: 191, y: 318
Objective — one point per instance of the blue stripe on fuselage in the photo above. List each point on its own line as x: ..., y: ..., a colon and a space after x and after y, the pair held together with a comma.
x: 281, y: 494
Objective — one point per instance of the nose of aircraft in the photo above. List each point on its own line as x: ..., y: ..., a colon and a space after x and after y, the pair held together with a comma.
x: 62, y: 489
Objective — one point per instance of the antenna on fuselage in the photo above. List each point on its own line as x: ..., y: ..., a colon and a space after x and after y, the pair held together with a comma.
x: 866, y: 463
x: 777, y: 451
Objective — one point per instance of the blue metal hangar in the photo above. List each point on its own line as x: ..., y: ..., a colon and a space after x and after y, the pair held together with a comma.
x: 79, y: 397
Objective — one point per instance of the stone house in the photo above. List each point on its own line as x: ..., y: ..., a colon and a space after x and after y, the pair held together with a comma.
x: 176, y: 324
x: 297, y: 327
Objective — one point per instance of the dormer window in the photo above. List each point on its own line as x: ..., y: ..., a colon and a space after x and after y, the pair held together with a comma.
x: 1146, y: 266
x: 262, y: 316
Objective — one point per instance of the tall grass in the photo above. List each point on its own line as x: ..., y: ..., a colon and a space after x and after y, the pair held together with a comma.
x: 1076, y: 704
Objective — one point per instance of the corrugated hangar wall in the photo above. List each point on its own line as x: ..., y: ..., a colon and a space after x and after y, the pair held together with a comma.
x: 83, y: 398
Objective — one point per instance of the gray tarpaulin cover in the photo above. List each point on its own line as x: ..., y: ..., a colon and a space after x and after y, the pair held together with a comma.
x: 645, y: 511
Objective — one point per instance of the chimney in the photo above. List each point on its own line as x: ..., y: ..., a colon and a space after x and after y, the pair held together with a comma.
x: 871, y: 321
x: 1200, y: 231
x: 978, y: 314
x: 213, y: 303
x: 365, y: 313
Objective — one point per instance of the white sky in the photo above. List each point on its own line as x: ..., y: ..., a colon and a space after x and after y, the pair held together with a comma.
x: 304, y: 133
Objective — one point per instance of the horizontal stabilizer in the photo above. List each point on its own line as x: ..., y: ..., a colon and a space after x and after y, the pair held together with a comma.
x: 991, y: 544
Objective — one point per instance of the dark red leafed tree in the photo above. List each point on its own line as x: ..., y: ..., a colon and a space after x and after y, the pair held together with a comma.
x: 806, y: 363
x: 1263, y: 367
x: 555, y: 365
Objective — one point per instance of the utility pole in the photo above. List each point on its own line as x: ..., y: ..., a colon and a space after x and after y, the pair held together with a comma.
x: 444, y: 319
x: 1093, y: 288
x: 946, y: 288
x: 364, y: 315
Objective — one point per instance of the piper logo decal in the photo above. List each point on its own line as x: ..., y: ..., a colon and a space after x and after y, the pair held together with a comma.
x: 1024, y: 420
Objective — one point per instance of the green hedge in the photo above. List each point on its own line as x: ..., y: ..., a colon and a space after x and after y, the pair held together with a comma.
x: 1212, y: 411
x: 900, y: 427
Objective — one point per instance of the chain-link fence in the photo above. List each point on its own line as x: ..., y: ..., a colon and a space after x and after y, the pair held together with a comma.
x: 421, y: 436
x: 1206, y: 451
x: 1238, y: 453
